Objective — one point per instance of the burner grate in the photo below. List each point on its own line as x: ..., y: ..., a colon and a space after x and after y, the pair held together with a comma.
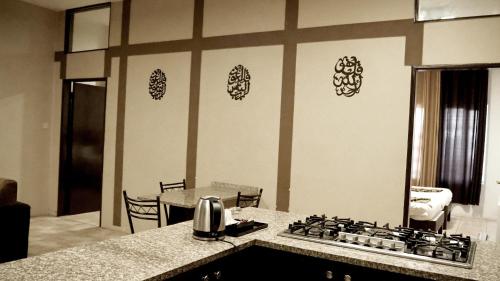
x: 455, y: 250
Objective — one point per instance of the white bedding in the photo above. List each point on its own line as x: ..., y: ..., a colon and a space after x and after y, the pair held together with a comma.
x: 427, y: 205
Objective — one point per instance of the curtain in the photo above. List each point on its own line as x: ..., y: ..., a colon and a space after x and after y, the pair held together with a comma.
x: 426, y: 128
x: 463, y: 125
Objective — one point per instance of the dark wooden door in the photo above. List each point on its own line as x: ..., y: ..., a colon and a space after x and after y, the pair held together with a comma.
x: 82, y: 143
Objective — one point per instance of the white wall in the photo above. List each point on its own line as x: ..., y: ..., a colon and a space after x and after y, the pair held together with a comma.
x: 90, y: 30
x: 28, y: 35
x: 11, y: 126
x: 333, y: 12
x: 224, y: 17
x: 155, y: 130
x: 85, y: 65
x: 238, y: 139
x: 462, y: 41
x: 491, y: 189
x: 349, y: 153
x: 161, y: 20
x: 109, y: 153
x: 55, y: 138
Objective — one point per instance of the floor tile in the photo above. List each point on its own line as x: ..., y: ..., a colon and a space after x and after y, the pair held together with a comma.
x: 48, y: 234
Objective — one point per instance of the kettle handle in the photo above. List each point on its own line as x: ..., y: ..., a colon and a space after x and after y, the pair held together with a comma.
x: 215, y: 213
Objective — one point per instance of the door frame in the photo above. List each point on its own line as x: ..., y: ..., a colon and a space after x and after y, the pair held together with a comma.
x: 409, y: 154
x: 60, y: 191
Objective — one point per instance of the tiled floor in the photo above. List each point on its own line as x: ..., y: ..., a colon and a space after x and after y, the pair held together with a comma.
x: 478, y: 228
x: 49, y: 234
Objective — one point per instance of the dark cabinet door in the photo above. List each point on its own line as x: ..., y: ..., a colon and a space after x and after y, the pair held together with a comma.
x: 259, y: 263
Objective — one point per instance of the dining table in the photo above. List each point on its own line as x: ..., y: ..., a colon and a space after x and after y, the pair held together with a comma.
x: 182, y: 202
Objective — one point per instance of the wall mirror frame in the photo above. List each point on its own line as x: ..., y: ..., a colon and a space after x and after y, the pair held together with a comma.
x: 72, y: 28
x: 444, y: 10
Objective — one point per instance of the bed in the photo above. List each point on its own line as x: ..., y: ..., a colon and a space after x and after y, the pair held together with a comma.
x: 430, y: 207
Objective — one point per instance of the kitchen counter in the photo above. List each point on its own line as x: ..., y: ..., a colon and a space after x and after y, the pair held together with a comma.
x: 165, y: 252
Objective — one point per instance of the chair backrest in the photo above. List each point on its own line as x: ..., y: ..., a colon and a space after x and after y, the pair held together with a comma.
x: 172, y: 186
x: 142, y: 209
x: 244, y: 201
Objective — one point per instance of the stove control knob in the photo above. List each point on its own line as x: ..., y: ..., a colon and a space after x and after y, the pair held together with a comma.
x: 393, y: 246
x: 329, y: 275
x: 347, y: 277
x: 355, y: 238
x: 218, y: 275
x: 205, y: 278
x: 380, y: 243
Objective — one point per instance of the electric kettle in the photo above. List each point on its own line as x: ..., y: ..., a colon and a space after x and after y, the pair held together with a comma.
x: 208, y: 221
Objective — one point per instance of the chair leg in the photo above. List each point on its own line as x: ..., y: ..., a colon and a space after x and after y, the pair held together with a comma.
x: 128, y: 212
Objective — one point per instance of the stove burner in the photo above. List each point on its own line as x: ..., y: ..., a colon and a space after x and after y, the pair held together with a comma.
x: 452, y: 249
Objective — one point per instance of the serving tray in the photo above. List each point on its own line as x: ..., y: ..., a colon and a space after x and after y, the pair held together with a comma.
x: 244, y: 227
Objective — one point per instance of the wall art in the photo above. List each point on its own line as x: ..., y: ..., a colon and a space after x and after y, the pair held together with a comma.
x: 238, y: 83
x: 347, y: 78
x: 157, y: 84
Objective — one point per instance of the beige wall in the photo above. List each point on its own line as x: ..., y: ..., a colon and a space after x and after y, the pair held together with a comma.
x: 108, y: 172
x: 462, y: 41
x: 224, y: 17
x: 349, y: 154
x: 161, y: 20
x: 155, y: 130
x: 334, y: 12
x: 55, y: 138
x: 11, y: 126
x: 238, y: 139
x: 85, y: 65
x: 26, y: 58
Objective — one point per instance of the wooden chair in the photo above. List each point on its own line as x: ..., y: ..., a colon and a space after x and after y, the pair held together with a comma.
x: 244, y: 201
x: 142, y: 209
x: 165, y: 187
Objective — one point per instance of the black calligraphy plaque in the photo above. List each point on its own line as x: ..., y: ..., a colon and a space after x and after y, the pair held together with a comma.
x: 238, y: 83
x: 347, y: 78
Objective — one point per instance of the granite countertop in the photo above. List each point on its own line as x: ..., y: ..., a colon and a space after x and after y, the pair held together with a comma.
x: 188, y: 198
x: 165, y: 252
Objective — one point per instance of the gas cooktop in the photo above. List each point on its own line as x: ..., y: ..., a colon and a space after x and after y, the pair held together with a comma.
x: 455, y: 250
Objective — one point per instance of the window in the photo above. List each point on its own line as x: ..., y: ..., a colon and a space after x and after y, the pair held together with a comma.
x: 87, y: 28
x: 431, y: 10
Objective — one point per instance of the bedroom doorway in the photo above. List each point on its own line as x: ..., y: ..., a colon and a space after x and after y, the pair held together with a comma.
x: 456, y: 121
x: 81, y: 147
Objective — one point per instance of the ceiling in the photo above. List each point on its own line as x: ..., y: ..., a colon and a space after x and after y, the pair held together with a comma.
x: 61, y: 5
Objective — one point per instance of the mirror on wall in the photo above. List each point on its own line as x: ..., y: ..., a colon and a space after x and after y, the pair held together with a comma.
x: 434, y: 10
x: 87, y: 28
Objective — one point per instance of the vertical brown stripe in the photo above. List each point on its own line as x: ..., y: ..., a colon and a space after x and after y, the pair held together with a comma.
x: 409, y: 149
x: 107, y: 63
x: 120, y: 119
x: 194, y: 95
x: 414, y: 45
x: 287, y: 103
x: 62, y: 70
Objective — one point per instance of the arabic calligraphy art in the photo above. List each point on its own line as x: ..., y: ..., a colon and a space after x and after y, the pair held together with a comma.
x: 157, y: 84
x: 347, y: 78
x: 238, y: 83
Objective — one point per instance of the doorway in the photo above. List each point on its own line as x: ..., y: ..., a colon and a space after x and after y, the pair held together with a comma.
x: 81, y: 148
x: 455, y: 127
